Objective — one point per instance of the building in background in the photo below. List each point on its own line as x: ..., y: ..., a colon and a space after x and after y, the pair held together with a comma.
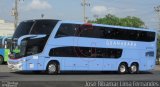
x: 6, y: 29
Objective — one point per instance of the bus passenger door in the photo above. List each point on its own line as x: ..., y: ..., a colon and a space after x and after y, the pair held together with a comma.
x: 75, y: 60
x: 32, y: 63
x: 95, y: 62
x: 87, y: 59
x: 40, y: 63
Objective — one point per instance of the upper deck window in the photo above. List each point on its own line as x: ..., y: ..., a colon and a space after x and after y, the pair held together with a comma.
x: 66, y: 30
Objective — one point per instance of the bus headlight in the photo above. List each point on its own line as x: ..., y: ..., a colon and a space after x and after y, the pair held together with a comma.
x: 19, y: 65
x: 15, y: 65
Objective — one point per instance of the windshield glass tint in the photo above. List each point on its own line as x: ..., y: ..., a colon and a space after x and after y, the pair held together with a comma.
x: 35, y: 27
x: 31, y: 47
x: 36, y: 45
x: 43, y: 27
x: 23, y: 29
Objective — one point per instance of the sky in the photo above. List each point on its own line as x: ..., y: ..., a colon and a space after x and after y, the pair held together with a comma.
x: 72, y: 9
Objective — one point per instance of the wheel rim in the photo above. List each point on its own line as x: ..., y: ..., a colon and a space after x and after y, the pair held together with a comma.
x: 133, y: 68
x: 51, y: 68
x: 122, y: 68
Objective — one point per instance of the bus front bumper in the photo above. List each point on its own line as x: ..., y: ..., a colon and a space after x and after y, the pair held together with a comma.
x: 15, y: 66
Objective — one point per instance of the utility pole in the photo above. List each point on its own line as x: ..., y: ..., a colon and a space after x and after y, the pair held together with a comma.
x: 15, y: 13
x: 157, y: 9
x: 84, y: 4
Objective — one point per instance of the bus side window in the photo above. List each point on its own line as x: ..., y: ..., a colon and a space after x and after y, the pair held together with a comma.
x: 62, y: 52
x: 62, y: 31
x: 112, y: 53
x: 66, y: 30
x: 51, y: 53
x: 56, y: 52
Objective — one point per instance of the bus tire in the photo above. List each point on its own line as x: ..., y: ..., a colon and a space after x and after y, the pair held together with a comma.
x: 52, y: 68
x: 123, y: 68
x: 134, y: 68
x: 1, y: 59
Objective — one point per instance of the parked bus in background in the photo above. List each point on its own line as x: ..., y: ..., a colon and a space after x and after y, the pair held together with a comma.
x: 55, y: 46
x: 4, y: 49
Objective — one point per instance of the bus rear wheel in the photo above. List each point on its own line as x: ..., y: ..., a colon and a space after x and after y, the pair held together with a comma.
x: 123, y: 68
x: 134, y: 68
x: 1, y: 60
x: 52, y: 68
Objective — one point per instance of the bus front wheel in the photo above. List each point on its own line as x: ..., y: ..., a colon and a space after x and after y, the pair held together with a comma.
x: 122, y: 68
x: 52, y: 68
x: 1, y: 60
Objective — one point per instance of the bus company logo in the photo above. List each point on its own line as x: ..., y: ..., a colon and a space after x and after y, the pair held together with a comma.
x: 121, y: 43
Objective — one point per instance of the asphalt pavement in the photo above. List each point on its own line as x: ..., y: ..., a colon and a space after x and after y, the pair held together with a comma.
x: 7, y: 75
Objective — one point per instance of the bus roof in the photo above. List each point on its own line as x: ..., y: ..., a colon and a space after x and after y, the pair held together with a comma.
x: 114, y: 26
x: 102, y: 25
x: 39, y: 20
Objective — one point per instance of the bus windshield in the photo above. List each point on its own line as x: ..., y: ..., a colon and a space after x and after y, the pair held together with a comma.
x: 31, y: 46
x: 35, y: 27
x: 23, y: 29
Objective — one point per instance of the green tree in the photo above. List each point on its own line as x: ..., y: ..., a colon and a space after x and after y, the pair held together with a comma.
x: 113, y: 20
